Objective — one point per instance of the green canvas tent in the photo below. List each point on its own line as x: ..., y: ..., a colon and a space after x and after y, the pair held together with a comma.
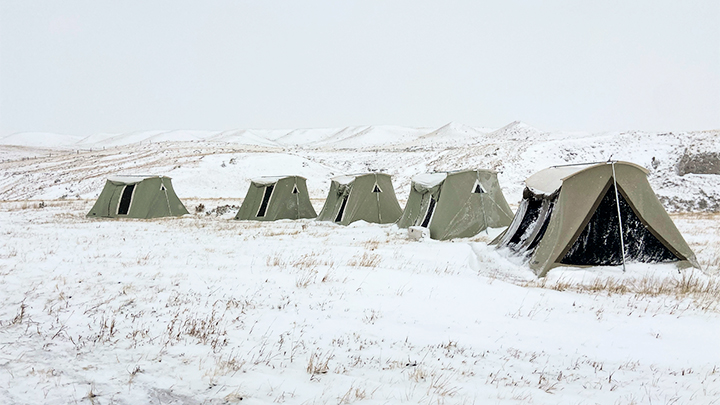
x: 456, y: 204
x: 137, y: 197
x: 593, y: 215
x: 273, y: 198
x: 369, y: 197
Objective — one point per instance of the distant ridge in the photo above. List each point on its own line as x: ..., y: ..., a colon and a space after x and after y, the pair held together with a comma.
x: 452, y: 134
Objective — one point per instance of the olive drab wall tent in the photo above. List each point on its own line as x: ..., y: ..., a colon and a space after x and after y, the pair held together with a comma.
x: 592, y: 215
x: 137, y: 197
x: 369, y: 197
x: 273, y: 198
x: 456, y: 204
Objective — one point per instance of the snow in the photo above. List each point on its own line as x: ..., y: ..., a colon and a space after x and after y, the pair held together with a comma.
x: 39, y: 139
x: 429, y: 180
x: 128, y: 179
x: 267, y: 180
x: 548, y: 181
x: 206, y: 309
x: 344, y: 179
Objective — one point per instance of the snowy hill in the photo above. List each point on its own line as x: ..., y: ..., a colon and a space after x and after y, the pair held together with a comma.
x: 204, y: 309
x: 516, y: 151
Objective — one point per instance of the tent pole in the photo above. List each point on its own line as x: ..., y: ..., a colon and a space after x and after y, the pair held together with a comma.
x: 617, y: 202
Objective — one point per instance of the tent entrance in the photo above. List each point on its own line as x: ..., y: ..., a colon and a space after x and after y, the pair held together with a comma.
x: 599, y: 242
x: 265, y: 201
x: 126, y: 199
x: 341, y: 211
x: 428, y: 215
x: 534, y: 223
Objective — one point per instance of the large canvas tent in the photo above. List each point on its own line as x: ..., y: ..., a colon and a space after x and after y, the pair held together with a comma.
x: 273, y: 198
x: 137, y: 197
x: 369, y: 197
x: 590, y: 215
x: 456, y: 204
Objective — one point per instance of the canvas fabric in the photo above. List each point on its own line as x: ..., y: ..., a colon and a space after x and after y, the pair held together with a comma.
x: 458, y: 211
x: 152, y: 197
x: 361, y: 203
x: 283, y: 203
x: 571, y: 207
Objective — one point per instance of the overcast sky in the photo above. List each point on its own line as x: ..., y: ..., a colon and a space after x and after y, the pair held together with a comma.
x: 84, y: 67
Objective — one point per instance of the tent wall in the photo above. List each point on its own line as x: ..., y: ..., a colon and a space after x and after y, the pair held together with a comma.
x: 361, y: 203
x: 576, y: 202
x: 333, y: 201
x: 283, y: 203
x: 152, y: 197
x: 459, y: 211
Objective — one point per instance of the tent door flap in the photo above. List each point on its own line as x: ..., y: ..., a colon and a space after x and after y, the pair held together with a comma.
x: 341, y: 211
x: 126, y: 199
x: 265, y: 201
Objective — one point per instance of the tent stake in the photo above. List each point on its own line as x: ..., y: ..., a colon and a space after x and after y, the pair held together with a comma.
x: 617, y: 202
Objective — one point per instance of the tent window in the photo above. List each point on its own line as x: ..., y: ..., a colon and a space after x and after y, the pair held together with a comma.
x: 599, y: 243
x: 340, y: 213
x: 428, y: 215
x: 478, y: 189
x: 162, y: 188
x: 376, y: 189
x: 265, y: 201
x: 126, y: 199
x: 295, y: 189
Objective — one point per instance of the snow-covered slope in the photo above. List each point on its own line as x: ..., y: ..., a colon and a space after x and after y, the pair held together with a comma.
x: 40, y: 140
x: 204, y: 309
x: 516, y: 151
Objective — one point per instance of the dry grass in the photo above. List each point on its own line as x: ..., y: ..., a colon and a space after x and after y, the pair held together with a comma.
x: 319, y: 362
x: 366, y: 260
x: 353, y: 394
x: 703, y: 290
x: 303, y: 262
x: 306, y: 278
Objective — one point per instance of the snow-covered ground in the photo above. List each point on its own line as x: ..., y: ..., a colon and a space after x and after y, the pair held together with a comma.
x: 204, y: 309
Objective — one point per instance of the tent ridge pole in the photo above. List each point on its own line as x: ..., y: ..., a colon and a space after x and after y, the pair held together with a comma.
x: 617, y: 203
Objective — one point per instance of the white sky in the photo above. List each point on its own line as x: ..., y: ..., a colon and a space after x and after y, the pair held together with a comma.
x: 84, y: 67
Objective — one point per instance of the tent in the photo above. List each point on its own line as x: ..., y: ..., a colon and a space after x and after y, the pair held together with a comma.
x: 369, y: 197
x: 273, y: 198
x: 593, y: 214
x: 456, y: 204
x: 137, y: 197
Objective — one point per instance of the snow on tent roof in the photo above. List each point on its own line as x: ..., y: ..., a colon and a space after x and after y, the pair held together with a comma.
x: 429, y: 180
x: 349, y: 178
x: 346, y: 179
x: 548, y: 181
x: 130, y: 179
x: 267, y: 180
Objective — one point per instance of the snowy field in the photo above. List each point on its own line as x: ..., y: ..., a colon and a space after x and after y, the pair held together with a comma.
x: 204, y: 309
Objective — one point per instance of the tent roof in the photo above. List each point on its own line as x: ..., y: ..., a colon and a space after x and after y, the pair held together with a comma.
x: 548, y: 181
x: 132, y: 179
x: 349, y: 178
x: 267, y: 180
x: 429, y: 180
